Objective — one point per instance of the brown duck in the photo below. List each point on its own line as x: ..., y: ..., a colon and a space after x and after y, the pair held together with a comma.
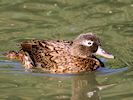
x: 61, y: 56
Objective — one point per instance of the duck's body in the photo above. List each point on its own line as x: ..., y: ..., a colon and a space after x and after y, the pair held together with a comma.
x: 59, y: 56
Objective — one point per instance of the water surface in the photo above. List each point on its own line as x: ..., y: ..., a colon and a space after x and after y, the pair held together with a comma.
x: 111, y: 20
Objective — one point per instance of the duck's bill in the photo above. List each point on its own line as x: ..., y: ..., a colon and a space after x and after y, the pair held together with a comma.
x: 101, y: 52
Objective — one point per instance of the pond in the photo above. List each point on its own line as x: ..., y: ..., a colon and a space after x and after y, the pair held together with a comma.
x: 111, y: 20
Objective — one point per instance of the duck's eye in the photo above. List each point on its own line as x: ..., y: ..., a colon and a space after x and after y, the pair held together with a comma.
x: 87, y: 43
x: 90, y: 43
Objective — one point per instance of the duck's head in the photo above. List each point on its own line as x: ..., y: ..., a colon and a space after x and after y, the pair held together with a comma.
x: 86, y: 45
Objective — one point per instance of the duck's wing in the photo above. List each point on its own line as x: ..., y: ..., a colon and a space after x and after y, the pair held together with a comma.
x: 51, y: 45
x: 37, y: 51
x: 45, y: 53
x: 29, y: 45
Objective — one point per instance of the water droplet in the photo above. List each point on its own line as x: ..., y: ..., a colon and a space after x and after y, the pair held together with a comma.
x: 59, y: 81
x: 110, y: 12
x: 131, y: 5
x: 90, y: 94
x: 119, y: 28
x: 12, y: 24
x: 24, y: 6
x: 48, y: 13
x: 55, y: 4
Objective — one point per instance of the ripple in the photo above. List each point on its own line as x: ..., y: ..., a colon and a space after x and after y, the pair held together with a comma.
x: 110, y: 71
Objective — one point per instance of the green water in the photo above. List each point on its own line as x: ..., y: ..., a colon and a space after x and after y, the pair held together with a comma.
x: 111, y: 20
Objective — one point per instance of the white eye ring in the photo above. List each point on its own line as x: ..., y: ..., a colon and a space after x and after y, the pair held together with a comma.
x: 87, y: 43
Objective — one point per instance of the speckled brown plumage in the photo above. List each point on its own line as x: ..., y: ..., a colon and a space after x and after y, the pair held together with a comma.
x: 60, y: 56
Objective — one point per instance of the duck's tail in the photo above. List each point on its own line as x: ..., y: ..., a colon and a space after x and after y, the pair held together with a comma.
x: 21, y: 56
x: 12, y: 55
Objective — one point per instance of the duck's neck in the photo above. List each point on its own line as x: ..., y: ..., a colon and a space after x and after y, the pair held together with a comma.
x: 79, y: 51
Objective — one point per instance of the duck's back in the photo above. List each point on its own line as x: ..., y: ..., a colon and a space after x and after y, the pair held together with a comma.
x: 48, y: 54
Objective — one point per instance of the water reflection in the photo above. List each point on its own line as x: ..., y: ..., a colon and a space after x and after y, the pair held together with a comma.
x: 85, y: 87
x: 82, y: 86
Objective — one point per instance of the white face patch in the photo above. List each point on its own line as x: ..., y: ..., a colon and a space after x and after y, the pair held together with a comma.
x: 87, y: 43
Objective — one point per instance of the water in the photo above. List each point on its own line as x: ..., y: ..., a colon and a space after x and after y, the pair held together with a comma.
x: 111, y: 20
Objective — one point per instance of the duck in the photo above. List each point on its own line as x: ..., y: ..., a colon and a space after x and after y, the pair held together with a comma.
x: 61, y: 56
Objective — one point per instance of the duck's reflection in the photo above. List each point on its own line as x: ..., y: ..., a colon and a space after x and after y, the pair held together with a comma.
x: 85, y: 87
